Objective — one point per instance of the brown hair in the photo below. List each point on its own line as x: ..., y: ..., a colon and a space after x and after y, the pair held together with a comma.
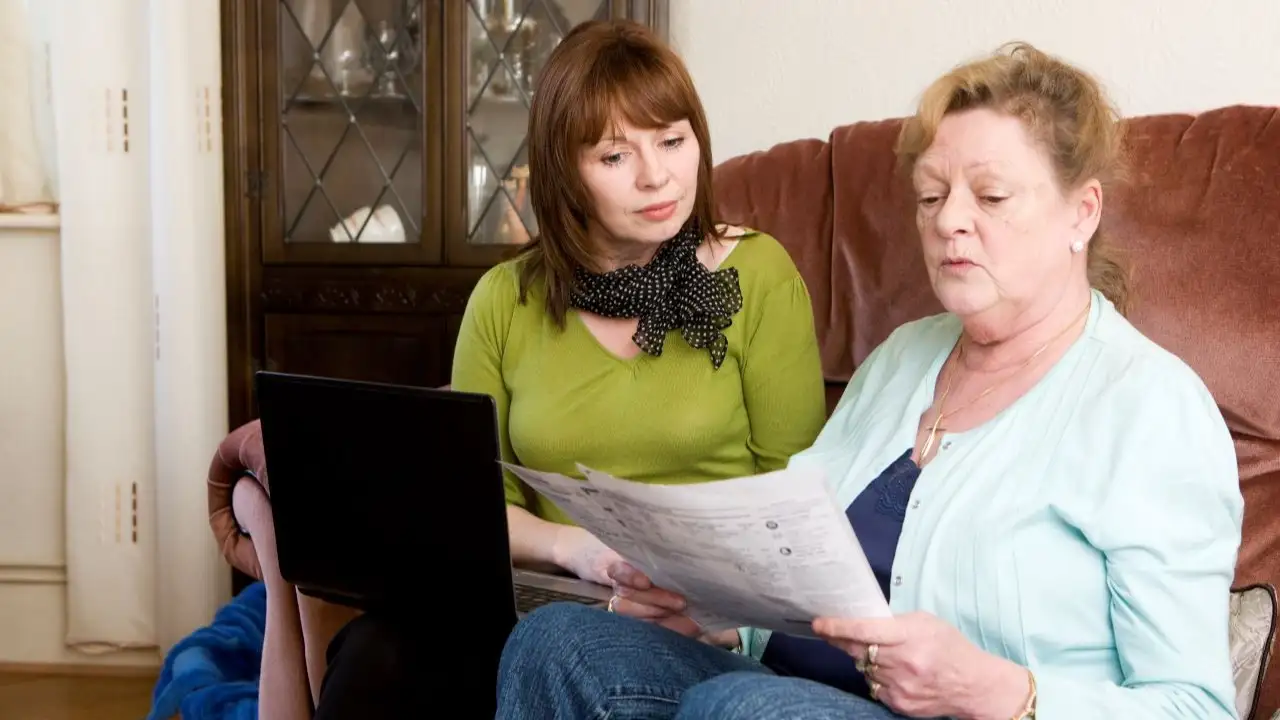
x: 1061, y: 106
x: 601, y: 73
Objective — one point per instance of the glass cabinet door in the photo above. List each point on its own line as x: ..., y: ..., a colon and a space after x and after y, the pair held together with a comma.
x: 500, y: 47
x: 393, y: 131
x: 351, y: 96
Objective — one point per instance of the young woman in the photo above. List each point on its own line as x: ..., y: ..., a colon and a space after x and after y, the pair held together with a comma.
x: 635, y: 334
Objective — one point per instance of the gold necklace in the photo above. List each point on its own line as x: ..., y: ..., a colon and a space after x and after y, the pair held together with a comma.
x: 942, y: 401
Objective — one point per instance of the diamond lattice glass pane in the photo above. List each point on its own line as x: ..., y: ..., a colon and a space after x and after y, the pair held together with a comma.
x: 498, y: 129
x: 300, y: 184
x: 503, y: 213
x: 483, y: 57
x: 573, y: 12
x: 516, y: 189
x: 482, y: 183
x: 339, y: 37
x: 394, y: 47
x: 315, y: 216
x: 309, y: 141
x: 405, y: 190
x: 541, y: 29
x: 374, y: 166
x: 508, y: 218
x: 304, y: 26
x: 351, y: 121
x: 508, y: 43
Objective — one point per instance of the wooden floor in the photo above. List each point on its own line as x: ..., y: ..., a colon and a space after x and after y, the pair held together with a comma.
x: 25, y: 696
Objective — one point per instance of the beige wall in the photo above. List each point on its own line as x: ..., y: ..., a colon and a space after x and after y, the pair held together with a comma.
x: 775, y: 70
x: 32, y: 557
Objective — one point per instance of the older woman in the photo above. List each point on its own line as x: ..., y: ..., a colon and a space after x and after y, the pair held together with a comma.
x: 1049, y: 500
x: 635, y: 334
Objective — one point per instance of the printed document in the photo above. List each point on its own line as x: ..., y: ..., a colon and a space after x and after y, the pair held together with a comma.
x: 772, y: 551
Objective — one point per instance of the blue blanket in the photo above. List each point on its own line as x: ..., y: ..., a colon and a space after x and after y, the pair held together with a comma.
x: 212, y: 674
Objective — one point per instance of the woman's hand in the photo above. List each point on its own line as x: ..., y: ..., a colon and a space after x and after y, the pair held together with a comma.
x: 638, y: 597
x: 728, y: 639
x: 923, y: 667
x: 582, y: 554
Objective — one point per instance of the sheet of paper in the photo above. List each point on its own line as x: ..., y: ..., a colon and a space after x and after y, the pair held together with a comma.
x: 771, y: 551
x: 578, y: 500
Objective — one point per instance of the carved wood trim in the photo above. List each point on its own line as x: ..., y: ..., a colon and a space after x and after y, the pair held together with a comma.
x: 284, y: 294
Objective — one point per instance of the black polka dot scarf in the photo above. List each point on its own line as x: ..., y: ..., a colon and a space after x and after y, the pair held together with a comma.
x: 674, y: 291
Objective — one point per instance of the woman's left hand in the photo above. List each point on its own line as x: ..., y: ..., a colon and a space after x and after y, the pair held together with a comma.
x: 924, y: 667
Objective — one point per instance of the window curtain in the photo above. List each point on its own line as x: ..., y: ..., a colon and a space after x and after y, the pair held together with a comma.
x: 135, y: 87
x: 189, y: 281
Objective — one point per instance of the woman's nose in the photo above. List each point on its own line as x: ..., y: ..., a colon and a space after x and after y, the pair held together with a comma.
x: 653, y: 172
x: 955, y: 217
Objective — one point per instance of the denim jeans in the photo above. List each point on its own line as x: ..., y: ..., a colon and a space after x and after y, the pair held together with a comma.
x: 570, y: 662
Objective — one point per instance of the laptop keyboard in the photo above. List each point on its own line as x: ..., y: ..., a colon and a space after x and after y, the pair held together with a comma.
x: 528, y: 598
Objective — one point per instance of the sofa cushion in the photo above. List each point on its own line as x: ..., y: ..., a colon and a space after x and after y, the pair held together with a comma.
x: 786, y: 189
x: 239, y: 456
x: 1253, y: 633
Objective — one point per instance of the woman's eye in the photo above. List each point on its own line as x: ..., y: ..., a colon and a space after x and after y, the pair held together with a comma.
x: 673, y: 143
x: 612, y: 159
x: 929, y: 200
x: 993, y: 199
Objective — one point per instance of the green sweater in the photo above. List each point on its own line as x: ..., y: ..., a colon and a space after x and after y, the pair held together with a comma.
x: 562, y: 398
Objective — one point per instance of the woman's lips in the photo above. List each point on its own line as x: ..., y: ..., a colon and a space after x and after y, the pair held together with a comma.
x: 659, y: 212
x: 957, y: 265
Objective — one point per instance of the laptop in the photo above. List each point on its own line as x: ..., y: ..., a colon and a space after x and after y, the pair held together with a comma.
x: 391, y: 497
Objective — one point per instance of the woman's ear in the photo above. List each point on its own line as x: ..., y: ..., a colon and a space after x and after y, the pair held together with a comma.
x: 1088, y: 205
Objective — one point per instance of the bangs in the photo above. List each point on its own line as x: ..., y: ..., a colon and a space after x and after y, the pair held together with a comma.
x: 632, y: 85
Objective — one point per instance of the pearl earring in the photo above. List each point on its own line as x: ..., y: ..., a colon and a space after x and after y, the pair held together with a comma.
x: 1077, y: 246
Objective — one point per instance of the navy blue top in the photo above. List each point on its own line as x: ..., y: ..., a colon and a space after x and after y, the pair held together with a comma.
x: 876, y: 516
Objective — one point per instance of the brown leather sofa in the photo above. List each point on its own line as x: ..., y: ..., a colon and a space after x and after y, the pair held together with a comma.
x: 1200, y: 220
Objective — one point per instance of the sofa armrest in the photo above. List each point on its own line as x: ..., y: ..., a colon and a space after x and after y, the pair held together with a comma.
x: 239, y: 455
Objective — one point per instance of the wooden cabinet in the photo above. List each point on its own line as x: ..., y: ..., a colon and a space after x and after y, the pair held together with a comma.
x: 375, y: 167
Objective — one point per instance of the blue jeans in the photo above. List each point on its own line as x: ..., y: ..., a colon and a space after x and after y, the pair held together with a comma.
x: 570, y: 662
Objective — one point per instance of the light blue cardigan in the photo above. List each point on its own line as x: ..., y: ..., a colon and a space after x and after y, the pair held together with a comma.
x: 1089, y: 531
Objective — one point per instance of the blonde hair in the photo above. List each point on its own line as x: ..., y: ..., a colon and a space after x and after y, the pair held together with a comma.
x: 1062, y: 107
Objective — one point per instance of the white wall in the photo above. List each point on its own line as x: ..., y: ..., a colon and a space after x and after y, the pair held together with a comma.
x: 32, y: 551
x: 770, y: 71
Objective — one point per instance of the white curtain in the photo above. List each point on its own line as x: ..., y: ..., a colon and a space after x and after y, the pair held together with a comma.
x: 190, y: 281
x: 27, y: 182
x: 144, y: 326
x: 99, y: 67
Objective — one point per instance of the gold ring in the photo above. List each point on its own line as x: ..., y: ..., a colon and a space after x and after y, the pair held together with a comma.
x: 872, y: 649
x: 613, y: 602
x: 875, y: 689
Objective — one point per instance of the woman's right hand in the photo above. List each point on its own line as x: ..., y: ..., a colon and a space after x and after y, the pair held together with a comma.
x: 638, y: 597
x: 582, y: 554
